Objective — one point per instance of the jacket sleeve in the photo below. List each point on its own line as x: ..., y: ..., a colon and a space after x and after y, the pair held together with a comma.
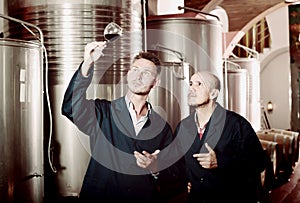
x: 81, y: 111
x: 240, y: 150
x: 172, y: 180
x: 253, y: 154
x: 243, y: 151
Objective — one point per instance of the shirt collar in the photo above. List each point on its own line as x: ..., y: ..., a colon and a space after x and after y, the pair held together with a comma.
x: 197, y: 124
x: 129, y: 103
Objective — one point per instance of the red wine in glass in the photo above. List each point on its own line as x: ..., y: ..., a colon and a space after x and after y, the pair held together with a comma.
x: 112, y: 37
x: 112, y: 32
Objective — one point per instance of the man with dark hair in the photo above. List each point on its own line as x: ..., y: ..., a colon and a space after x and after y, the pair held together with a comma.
x: 126, y: 134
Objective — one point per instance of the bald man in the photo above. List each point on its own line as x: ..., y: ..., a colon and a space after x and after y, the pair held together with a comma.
x: 225, y: 157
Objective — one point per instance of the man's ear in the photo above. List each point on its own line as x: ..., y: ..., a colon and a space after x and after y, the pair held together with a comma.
x: 214, y: 94
x: 156, y: 83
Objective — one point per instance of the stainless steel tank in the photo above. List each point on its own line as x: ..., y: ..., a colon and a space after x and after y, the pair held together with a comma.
x: 21, y: 121
x: 185, y: 40
x: 252, y: 65
x: 237, y: 83
x: 68, y: 26
x: 169, y: 98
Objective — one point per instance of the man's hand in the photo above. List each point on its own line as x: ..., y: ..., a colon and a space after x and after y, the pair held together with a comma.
x: 92, y: 52
x: 147, y: 160
x: 207, y: 160
x: 189, y: 187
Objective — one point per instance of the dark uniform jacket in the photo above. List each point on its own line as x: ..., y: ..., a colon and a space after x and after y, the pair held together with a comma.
x: 239, y: 153
x: 112, y: 173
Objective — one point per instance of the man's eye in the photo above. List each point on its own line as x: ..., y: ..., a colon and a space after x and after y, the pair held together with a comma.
x: 147, y: 73
x: 134, y: 69
x: 196, y: 83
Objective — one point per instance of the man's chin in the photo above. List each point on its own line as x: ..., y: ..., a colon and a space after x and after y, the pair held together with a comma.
x: 142, y: 93
x: 191, y: 103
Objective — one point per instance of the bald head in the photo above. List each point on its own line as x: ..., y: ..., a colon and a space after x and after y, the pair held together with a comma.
x: 209, y: 79
x: 204, y: 89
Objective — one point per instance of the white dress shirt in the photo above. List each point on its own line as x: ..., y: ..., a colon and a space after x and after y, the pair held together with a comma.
x: 138, y: 124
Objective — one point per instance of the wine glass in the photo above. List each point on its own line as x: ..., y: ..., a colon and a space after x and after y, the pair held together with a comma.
x: 112, y: 32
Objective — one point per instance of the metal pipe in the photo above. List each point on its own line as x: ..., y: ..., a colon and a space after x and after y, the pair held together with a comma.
x: 198, y: 11
x: 23, y: 23
x: 145, y: 25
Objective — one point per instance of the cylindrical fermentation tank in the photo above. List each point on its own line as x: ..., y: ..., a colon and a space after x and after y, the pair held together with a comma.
x: 237, y: 83
x: 183, y: 40
x: 169, y: 98
x: 252, y: 65
x: 68, y: 26
x: 21, y: 121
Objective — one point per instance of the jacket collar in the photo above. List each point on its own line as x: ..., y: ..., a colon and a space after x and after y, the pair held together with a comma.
x: 216, y: 126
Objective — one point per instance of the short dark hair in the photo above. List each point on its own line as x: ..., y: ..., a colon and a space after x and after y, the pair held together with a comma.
x: 151, y: 57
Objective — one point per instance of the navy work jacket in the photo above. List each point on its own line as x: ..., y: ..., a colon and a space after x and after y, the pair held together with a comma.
x: 112, y: 173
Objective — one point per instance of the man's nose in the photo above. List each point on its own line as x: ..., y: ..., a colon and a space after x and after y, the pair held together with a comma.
x: 191, y: 87
x: 140, y: 74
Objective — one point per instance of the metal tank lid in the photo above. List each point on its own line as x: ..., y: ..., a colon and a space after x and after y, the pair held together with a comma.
x: 230, y: 70
x: 243, y: 59
x: 188, y: 16
x: 18, y: 43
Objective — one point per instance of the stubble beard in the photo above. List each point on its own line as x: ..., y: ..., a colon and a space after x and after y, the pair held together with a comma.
x: 139, y: 89
x: 200, y: 105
